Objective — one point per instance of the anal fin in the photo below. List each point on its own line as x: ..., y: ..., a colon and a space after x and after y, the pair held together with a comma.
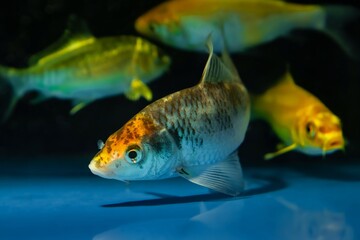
x: 225, y: 176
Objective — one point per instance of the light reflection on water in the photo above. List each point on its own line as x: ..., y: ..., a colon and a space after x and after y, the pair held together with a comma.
x: 262, y: 216
x: 230, y: 220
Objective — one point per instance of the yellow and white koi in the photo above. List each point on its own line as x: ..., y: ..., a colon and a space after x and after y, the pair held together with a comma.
x: 193, y: 133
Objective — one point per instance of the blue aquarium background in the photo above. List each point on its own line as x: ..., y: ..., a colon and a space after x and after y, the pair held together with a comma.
x: 48, y: 192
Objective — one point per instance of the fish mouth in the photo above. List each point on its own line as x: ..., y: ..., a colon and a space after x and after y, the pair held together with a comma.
x: 333, y: 145
x: 101, y: 172
x: 141, y: 26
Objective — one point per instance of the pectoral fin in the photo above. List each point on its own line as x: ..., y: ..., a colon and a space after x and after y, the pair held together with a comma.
x: 78, y: 106
x: 138, y: 89
x: 225, y: 176
x: 289, y: 148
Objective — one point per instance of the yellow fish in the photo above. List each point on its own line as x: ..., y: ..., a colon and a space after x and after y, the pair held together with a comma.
x: 83, y: 68
x: 299, y: 119
x: 193, y: 133
x: 185, y: 24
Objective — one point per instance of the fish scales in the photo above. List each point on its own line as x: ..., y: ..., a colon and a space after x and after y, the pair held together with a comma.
x: 196, y: 116
x: 193, y: 133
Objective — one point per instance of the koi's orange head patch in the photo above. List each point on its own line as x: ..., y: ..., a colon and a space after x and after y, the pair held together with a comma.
x: 128, y: 153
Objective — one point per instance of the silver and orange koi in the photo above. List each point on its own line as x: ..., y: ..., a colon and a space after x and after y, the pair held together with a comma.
x: 193, y: 133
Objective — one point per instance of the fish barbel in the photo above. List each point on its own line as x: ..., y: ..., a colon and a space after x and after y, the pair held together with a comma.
x: 193, y: 133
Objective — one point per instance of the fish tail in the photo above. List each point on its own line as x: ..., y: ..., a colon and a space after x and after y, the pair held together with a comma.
x: 338, y: 19
x: 12, y: 77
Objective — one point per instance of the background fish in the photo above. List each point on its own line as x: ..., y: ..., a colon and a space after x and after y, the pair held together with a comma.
x: 83, y: 68
x: 299, y: 119
x: 243, y: 23
x: 193, y: 133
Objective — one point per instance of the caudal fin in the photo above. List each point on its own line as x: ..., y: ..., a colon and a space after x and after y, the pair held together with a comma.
x: 338, y: 22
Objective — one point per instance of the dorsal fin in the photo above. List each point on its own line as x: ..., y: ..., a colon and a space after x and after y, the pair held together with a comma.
x: 225, y: 56
x: 217, y: 70
x: 76, y: 31
x: 286, y: 78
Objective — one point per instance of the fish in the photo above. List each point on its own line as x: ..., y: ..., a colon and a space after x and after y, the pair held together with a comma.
x: 82, y: 68
x: 299, y: 119
x: 244, y: 24
x: 193, y: 133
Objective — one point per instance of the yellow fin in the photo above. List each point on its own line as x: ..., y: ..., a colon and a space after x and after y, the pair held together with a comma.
x: 286, y: 78
x: 78, y: 107
x: 139, y: 89
x: 289, y: 148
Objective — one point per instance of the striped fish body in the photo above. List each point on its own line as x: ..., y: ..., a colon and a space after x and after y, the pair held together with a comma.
x: 193, y: 133
x: 206, y: 122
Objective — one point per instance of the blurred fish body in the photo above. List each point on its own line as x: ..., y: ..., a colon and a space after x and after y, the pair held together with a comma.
x: 193, y: 133
x: 83, y: 68
x: 299, y: 119
x: 185, y: 24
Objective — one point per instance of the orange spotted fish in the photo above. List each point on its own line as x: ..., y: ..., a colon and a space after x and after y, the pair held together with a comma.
x: 193, y: 133
x: 299, y: 119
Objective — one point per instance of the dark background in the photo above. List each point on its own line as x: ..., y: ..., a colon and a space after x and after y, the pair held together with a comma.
x: 47, y: 130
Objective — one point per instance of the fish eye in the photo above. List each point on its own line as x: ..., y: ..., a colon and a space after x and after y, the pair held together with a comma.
x: 310, y: 130
x: 133, y: 154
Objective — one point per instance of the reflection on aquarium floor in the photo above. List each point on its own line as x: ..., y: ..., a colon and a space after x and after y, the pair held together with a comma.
x: 279, y: 203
